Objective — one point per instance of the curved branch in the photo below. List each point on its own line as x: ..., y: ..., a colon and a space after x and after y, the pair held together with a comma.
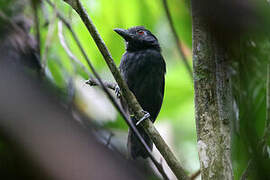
x: 74, y: 59
x: 176, y: 38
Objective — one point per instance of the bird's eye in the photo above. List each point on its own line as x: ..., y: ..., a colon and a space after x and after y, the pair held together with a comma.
x: 140, y: 32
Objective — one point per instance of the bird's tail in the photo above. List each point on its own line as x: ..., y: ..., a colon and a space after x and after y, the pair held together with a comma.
x: 135, y: 148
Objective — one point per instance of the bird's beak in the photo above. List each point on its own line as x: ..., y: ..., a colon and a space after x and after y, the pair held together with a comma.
x: 124, y: 33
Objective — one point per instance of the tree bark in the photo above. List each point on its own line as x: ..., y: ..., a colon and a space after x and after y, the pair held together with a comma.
x: 213, y: 100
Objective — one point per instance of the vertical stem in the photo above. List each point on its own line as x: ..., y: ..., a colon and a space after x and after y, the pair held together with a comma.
x: 213, y: 101
x: 266, y: 134
x: 176, y: 38
x: 35, y: 6
x: 268, y: 97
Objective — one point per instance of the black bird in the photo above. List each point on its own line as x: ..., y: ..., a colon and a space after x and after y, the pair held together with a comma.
x: 143, y: 68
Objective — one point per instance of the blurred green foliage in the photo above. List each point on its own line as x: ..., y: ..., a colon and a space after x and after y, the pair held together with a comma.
x: 250, y: 96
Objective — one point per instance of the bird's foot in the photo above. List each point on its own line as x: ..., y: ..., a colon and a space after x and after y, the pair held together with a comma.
x: 146, y: 116
x: 117, y: 91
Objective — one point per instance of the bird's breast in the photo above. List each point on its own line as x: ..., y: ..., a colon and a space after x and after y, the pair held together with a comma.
x: 142, y: 68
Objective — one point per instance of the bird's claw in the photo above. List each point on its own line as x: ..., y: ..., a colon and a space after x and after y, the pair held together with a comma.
x: 146, y: 116
x: 117, y: 91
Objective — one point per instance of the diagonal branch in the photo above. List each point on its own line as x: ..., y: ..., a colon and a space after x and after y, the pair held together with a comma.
x: 76, y: 61
x: 176, y: 38
x: 127, y: 94
x: 117, y: 106
x: 195, y: 175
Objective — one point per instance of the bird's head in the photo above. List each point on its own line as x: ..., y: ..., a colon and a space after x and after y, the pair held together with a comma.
x: 138, y: 38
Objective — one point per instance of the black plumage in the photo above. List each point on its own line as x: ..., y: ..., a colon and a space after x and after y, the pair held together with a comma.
x: 143, y: 68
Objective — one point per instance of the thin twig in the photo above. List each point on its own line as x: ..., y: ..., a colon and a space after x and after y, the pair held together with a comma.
x: 45, y: 14
x: 91, y: 81
x: 176, y: 38
x: 8, y: 21
x: 118, y: 107
x: 133, y: 104
x: 109, y: 139
x: 36, y: 23
x: 74, y: 59
x: 268, y: 97
x: 195, y: 175
x: 263, y: 143
x: 48, y: 41
x: 247, y: 170
x: 94, y: 82
x: 266, y: 134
